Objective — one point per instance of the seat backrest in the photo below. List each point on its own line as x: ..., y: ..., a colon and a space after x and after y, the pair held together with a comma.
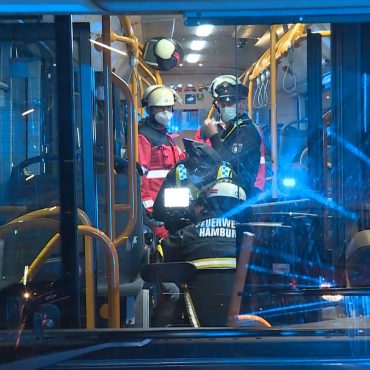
x: 277, y: 266
x: 292, y: 142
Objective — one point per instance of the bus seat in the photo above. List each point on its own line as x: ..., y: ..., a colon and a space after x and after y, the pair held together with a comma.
x: 306, y: 226
x: 276, y: 267
x: 291, y: 143
x: 34, y: 182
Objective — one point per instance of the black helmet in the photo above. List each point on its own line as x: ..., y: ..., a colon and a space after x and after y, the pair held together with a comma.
x: 228, y: 88
x: 202, y: 160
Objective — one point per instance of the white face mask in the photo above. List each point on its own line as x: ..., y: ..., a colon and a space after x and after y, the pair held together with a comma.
x: 163, y: 117
x: 228, y: 113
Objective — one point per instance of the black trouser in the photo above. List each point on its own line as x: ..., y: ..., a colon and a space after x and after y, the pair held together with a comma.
x: 211, y: 292
x: 165, y: 313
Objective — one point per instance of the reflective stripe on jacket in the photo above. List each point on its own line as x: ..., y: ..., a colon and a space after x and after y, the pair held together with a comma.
x: 261, y: 174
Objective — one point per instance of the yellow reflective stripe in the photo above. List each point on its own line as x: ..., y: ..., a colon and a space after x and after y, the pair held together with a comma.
x: 215, y: 263
x: 224, y: 171
x: 160, y: 249
x: 235, y: 125
x: 181, y: 178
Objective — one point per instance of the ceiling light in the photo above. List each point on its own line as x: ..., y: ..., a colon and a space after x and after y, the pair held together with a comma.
x: 204, y: 30
x: 192, y: 58
x: 197, y: 45
x: 180, y: 65
x: 200, y: 64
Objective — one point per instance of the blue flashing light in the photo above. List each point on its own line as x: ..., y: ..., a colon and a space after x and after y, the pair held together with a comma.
x: 289, y: 182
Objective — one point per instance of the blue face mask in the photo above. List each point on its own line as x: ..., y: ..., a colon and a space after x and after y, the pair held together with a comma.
x: 228, y: 113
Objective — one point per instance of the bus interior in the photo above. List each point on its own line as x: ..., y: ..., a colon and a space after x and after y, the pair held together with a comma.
x: 75, y: 250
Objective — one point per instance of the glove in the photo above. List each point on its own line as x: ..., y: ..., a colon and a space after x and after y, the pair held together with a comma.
x: 150, y: 221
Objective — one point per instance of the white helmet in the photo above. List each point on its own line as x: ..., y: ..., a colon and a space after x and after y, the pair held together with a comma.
x: 227, y: 189
x: 228, y: 87
x: 158, y: 96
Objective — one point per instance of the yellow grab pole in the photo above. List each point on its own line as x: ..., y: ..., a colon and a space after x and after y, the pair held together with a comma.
x: 250, y: 99
x: 112, y: 271
x: 132, y: 143
x: 125, y: 39
x: 48, y: 249
x: 89, y: 283
x: 158, y: 77
x: 148, y: 71
x: 89, y: 257
x: 147, y: 83
x: 141, y: 93
x: 211, y: 111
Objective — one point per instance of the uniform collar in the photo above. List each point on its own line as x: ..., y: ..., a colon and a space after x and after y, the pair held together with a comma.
x: 240, y: 120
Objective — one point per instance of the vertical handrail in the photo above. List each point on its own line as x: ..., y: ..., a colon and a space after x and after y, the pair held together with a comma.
x: 250, y: 100
x: 274, y: 143
x: 132, y: 143
x: 134, y: 51
x: 240, y: 276
x: 108, y: 134
x: 112, y: 271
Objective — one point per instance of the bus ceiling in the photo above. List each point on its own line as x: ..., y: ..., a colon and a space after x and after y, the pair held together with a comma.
x: 218, y: 11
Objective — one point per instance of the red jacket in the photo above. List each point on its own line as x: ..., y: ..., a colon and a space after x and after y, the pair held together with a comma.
x: 158, y: 154
x: 261, y: 174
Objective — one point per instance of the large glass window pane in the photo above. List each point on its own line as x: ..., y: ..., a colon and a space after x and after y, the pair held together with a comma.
x: 29, y: 170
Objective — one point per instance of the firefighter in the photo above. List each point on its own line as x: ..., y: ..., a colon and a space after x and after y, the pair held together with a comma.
x: 210, y: 244
x: 241, y: 142
x: 158, y: 153
x: 202, y: 166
